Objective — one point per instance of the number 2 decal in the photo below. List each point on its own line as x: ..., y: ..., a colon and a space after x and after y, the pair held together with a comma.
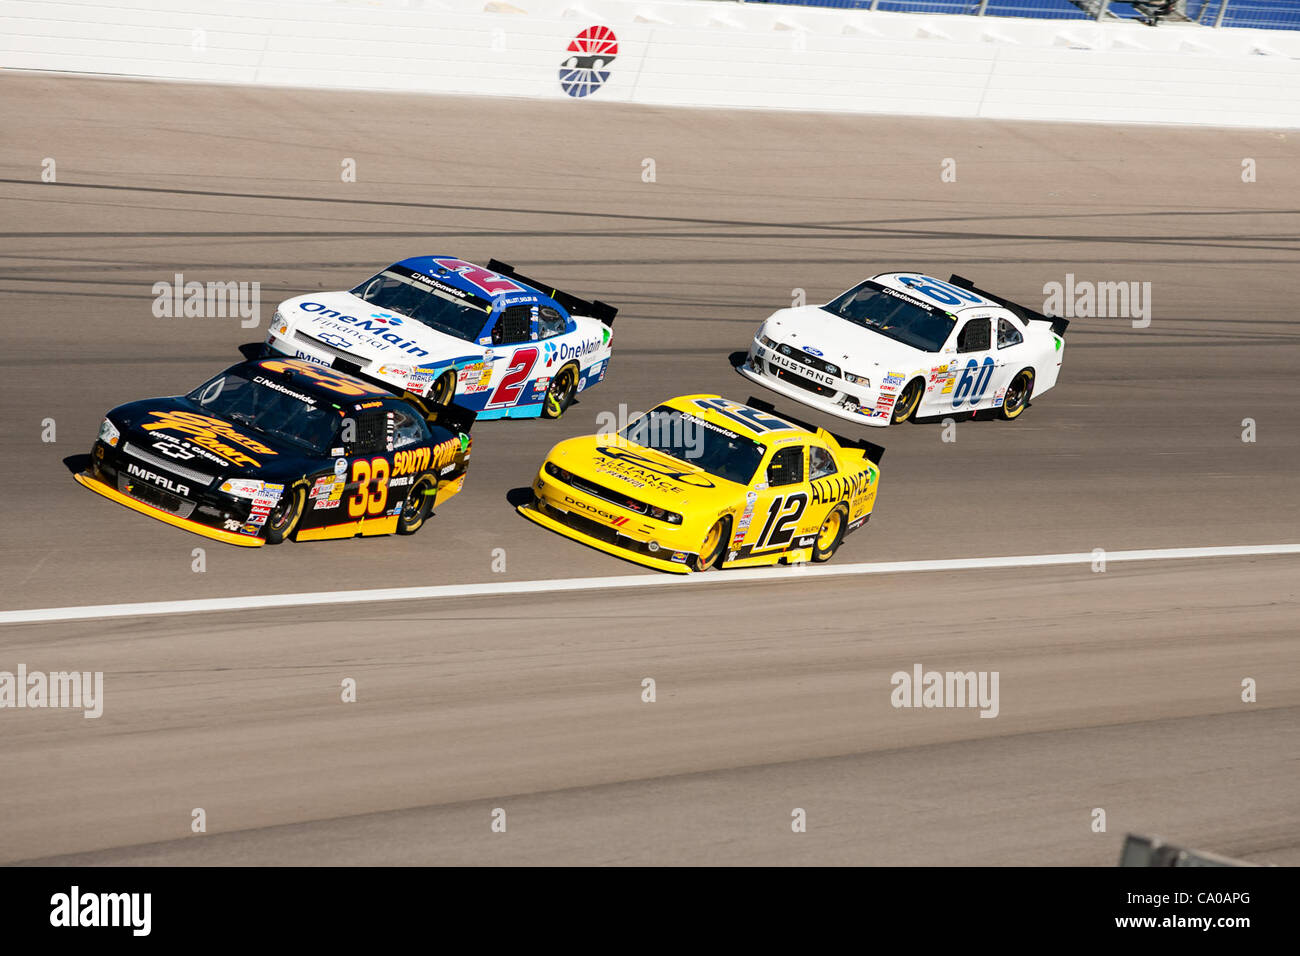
x: 367, y: 500
x: 489, y: 282
x: 974, y: 382
x: 782, y: 517
x: 512, y: 383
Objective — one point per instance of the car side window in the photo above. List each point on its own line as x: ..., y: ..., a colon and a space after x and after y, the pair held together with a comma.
x: 549, y: 322
x: 1008, y: 335
x: 821, y: 463
x: 514, y: 325
x: 408, y: 428
x: 786, y: 467
x: 371, y: 432
x: 975, y: 336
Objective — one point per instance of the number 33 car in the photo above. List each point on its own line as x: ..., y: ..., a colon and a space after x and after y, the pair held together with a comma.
x: 276, y: 448
x: 901, y: 345
x: 701, y: 482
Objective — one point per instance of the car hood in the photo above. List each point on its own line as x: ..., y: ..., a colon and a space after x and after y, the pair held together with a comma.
x: 855, y: 349
x: 641, y: 473
x: 181, y: 432
x: 344, y: 321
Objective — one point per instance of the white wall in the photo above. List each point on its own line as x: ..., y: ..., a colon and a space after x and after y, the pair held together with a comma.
x: 683, y: 52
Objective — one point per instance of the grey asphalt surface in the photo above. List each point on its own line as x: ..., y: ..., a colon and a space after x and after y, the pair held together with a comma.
x: 1120, y: 690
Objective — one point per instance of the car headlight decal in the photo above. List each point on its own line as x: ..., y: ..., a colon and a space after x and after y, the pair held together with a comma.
x: 108, y: 433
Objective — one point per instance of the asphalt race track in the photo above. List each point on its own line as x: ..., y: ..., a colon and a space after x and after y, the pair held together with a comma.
x: 1120, y: 689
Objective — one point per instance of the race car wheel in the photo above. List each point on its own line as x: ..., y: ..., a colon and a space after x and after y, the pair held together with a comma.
x: 907, y: 401
x: 831, y: 534
x: 559, y: 394
x: 285, y: 515
x: 416, y: 507
x: 444, y: 389
x: 715, y: 542
x: 1018, y: 392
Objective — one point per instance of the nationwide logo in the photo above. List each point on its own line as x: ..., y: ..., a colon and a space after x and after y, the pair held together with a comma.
x: 584, y: 71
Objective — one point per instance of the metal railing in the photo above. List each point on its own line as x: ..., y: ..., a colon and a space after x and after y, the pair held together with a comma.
x: 1260, y: 14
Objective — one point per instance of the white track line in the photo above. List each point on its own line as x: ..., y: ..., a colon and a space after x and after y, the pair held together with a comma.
x: 502, y: 588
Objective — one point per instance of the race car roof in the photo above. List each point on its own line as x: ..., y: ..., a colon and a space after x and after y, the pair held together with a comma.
x: 479, y: 282
x: 755, y: 423
x: 325, y: 385
x: 935, y: 292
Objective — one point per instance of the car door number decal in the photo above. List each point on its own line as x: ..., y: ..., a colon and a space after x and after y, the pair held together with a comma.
x: 369, y: 500
x: 782, y: 517
x: 517, y: 373
x: 974, y: 382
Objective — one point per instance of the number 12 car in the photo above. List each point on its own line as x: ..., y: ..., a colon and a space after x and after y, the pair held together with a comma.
x: 275, y: 448
x: 701, y: 482
x: 903, y: 344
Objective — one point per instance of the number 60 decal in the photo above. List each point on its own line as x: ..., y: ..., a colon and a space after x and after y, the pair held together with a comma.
x: 974, y: 382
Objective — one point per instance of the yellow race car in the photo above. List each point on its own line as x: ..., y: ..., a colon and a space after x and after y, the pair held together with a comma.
x: 702, y: 482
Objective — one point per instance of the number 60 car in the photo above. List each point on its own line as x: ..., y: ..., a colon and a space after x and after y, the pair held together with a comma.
x: 702, y: 482
x: 902, y: 344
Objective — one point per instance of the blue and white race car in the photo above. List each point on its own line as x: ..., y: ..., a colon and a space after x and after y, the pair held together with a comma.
x: 495, y: 342
x: 903, y: 344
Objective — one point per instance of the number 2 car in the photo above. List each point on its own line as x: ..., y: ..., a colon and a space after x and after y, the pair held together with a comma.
x: 700, y: 482
x: 275, y: 448
x: 438, y: 327
x: 903, y: 344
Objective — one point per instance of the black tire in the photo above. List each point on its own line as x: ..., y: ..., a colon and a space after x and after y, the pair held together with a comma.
x: 908, y: 400
x: 559, y: 394
x: 1018, y: 392
x: 716, y: 549
x: 417, y: 506
x: 286, y: 514
x: 444, y: 389
x: 831, y: 534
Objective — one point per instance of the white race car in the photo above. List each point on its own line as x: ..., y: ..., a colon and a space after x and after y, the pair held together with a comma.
x: 441, y: 328
x: 903, y: 344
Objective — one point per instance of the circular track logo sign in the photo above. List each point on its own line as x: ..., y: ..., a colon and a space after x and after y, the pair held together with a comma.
x: 585, y: 69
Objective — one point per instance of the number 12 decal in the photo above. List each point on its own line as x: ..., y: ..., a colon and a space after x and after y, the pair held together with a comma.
x: 516, y: 377
x: 781, y: 520
x: 974, y: 382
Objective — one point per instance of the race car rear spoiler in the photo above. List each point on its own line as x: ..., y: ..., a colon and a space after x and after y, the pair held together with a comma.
x: 1024, y: 313
x: 595, y: 308
x: 458, y: 418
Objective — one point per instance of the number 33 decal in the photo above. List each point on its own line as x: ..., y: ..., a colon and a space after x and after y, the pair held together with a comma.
x: 369, y: 500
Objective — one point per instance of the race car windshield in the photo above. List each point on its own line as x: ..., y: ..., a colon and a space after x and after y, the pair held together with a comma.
x: 872, y: 307
x: 717, y: 451
x: 266, y: 408
x: 394, y: 292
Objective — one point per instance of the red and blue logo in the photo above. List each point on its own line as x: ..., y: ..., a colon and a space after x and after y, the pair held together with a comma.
x: 585, y: 69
